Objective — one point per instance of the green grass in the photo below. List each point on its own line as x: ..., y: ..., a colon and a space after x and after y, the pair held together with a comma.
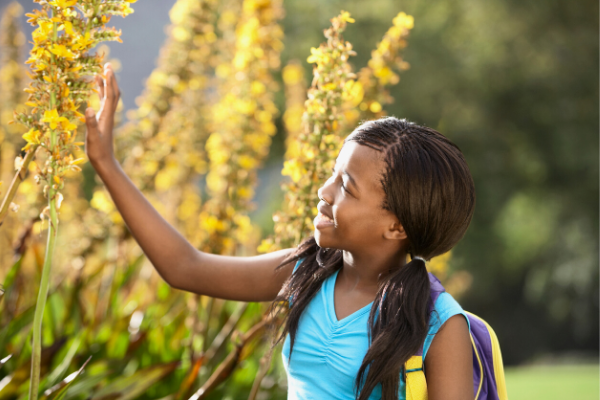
x: 564, y: 382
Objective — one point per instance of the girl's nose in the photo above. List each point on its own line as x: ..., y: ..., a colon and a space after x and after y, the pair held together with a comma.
x: 324, y: 195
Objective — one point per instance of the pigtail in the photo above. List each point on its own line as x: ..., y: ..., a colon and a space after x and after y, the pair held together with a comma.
x: 399, y: 323
x: 317, y: 265
x: 429, y: 188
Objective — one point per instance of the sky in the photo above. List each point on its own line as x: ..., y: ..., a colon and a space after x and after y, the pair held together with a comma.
x: 143, y: 33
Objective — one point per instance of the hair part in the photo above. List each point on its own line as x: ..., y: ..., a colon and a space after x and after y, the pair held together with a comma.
x: 428, y: 186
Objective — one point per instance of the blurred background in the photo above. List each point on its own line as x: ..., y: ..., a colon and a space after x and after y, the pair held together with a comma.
x: 515, y: 85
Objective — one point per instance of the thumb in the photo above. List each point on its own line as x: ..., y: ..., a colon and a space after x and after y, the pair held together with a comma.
x: 90, y: 121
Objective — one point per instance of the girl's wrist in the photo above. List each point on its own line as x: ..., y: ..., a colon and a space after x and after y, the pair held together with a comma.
x: 104, y: 165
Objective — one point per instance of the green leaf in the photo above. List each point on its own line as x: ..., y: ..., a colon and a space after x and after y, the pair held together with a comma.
x: 16, y: 325
x: 5, y: 359
x: 13, y: 383
x: 129, y: 387
x: 7, y: 287
x: 86, y: 384
x: 64, y: 385
x: 58, y: 372
x: 132, y: 269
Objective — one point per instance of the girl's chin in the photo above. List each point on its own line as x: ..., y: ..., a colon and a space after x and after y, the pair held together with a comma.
x: 322, y: 241
x: 318, y: 238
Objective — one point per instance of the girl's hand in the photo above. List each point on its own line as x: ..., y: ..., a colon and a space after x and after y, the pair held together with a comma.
x: 99, y: 135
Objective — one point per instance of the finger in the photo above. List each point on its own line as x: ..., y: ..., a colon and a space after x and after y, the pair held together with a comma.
x: 108, y: 87
x: 100, y: 84
x: 114, y: 87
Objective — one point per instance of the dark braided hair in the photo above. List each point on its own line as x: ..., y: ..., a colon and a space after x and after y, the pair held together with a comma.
x: 428, y: 186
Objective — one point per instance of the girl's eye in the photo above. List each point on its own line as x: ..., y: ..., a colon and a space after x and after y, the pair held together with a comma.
x: 343, y: 187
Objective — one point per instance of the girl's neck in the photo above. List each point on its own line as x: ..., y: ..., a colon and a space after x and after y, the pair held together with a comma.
x: 364, y: 273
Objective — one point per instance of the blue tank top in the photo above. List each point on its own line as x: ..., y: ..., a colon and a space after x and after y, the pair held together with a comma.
x: 328, y: 353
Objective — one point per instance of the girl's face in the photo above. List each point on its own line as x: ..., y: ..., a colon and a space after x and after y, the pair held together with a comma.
x: 351, y: 216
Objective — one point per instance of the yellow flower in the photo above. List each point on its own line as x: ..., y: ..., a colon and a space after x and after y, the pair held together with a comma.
x: 315, y: 55
x: 40, y: 67
x: 100, y: 201
x: 72, y: 107
x: 68, y: 125
x: 126, y: 10
x: 61, y: 50
x: 293, y: 169
x: 37, y: 53
x: 345, y: 16
x: 32, y: 137
x: 375, y: 107
x: 82, y: 42
x: 63, y: 3
x: 43, y: 32
x: 68, y: 27
x: 52, y: 118
x: 402, y: 19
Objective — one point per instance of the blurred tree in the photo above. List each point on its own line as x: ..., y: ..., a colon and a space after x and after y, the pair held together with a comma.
x: 515, y: 85
x: 524, y: 108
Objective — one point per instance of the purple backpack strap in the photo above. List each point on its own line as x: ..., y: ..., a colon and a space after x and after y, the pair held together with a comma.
x: 436, y: 288
x: 484, y: 360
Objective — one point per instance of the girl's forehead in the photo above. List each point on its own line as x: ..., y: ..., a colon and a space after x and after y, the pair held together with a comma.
x: 362, y: 162
x: 354, y: 154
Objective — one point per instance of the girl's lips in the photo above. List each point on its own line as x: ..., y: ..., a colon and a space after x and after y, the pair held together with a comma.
x: 322, y: 221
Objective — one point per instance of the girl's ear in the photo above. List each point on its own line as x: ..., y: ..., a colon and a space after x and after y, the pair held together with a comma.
x: 395, y: 232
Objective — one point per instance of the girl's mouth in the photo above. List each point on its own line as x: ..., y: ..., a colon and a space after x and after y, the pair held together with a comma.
x: 322, y: 221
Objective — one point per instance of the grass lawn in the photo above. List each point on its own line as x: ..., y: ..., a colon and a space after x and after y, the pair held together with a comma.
x: 564, y: 382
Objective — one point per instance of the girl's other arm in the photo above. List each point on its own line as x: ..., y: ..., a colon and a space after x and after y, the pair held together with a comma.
x: 449, y: 363
x: 175, y: 259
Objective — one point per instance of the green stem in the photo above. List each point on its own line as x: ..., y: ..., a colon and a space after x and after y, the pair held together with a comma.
x: 41, y: 300
x: 52, y: 131
x: 36, y: 356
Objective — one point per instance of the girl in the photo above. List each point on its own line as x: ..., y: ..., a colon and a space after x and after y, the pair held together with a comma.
x: 358, y: 309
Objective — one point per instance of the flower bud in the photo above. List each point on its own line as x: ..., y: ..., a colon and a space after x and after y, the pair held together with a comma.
x: 18, y: 163
x: 59, y: 199
x: 45, y: 214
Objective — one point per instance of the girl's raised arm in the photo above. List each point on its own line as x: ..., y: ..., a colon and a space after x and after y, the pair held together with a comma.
x: 176, y: 260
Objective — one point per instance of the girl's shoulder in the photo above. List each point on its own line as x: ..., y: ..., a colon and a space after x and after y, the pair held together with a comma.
x: 444, y: 308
